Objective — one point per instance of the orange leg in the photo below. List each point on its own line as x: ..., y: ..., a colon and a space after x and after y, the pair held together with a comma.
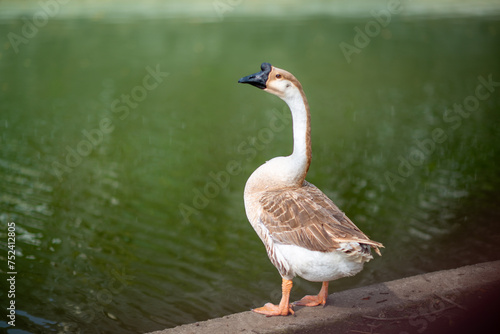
x: 284, y: 308
x: 320, y: 299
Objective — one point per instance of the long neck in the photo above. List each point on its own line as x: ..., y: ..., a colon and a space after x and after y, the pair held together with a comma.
x: 287, y: 171
x: 301, y: 156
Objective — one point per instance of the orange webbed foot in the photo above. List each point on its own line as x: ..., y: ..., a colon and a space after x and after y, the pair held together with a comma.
x: 284, y: 307
x: 271, y: 310
x: 311, y: 301
x: 320, y: 299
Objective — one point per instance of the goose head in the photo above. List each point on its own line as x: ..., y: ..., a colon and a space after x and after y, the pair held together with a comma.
x: 275, y: 81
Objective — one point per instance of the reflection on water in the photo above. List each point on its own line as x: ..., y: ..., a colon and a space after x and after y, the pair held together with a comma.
x: 103, y: 243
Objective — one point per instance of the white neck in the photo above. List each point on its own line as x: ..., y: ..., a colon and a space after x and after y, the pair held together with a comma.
x: 301, y: 128
x: 301, y: 131
x: 287, y: 171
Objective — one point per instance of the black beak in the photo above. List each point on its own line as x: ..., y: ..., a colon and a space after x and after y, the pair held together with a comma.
x: 258, y: 79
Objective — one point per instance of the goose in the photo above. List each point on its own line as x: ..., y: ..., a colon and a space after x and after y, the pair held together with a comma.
x: 304, y: 232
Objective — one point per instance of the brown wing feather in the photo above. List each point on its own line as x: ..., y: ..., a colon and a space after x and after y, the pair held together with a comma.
x: 305, y: 216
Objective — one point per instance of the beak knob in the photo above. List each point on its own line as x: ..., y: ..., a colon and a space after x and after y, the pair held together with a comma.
x: 258, y: 79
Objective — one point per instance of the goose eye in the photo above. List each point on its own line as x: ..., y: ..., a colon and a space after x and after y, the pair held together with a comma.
x: 278, y: 76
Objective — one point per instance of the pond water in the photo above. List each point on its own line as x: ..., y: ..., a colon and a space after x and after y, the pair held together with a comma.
x: 126, y: 144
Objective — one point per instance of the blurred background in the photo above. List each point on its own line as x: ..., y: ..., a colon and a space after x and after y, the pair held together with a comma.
x: 126, y: 142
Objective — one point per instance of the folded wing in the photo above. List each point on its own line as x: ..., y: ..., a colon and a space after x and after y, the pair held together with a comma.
x: 306, y: 217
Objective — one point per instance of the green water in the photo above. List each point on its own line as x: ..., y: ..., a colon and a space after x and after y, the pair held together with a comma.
x: 125, y: 147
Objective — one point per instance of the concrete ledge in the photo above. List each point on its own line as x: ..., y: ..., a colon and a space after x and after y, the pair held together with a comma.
x: 455, y: 301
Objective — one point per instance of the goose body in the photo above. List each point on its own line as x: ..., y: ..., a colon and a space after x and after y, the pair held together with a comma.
x: 304, y: 232
x: 297, y: 226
